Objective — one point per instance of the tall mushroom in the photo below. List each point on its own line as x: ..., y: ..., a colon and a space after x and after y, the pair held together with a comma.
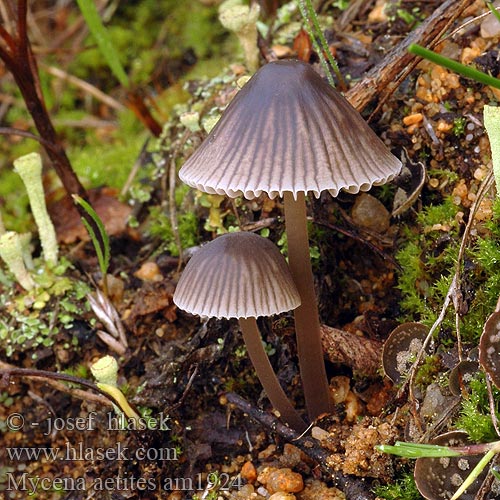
x: 244, y: 276
x: 288, y: 133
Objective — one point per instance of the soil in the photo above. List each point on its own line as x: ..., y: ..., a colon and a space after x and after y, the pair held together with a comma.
x: 215, y: 435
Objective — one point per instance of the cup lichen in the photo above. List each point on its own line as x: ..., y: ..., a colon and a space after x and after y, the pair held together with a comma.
x: 242, y: 20
x: 11, y: 252
x: 29, y: 168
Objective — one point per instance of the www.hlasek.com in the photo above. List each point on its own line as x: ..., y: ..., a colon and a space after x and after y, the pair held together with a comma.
x: 201, y: 482
x: 81, y: 453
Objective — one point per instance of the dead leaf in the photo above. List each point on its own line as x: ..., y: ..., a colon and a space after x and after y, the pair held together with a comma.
x: 67, y: 221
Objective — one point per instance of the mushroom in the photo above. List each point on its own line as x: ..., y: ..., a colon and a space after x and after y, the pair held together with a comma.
x: 401, y: 348
x: 244, y: 276
x: 288, y: 133
x: 439, y: 478
x: 489, y: 347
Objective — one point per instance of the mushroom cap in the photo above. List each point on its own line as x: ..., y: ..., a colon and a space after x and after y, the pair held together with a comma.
x: 289, y: 130
x: 440, y: 478
x: 237, y: 275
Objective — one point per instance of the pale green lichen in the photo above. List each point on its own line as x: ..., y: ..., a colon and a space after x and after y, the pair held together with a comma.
x: 105, y: 371
x: 11, y: 252
x: 242, y: 21
x: 29, y: 168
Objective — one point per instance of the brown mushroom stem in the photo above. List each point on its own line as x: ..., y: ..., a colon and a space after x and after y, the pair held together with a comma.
x: 267, y: 377
x: 307, y: 325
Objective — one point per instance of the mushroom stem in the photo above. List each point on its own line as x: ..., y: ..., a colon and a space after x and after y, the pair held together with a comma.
x: 267, y: 377
x: 307, y: 326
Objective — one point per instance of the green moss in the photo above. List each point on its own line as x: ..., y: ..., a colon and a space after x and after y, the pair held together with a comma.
x: 53, y: 306
x: 401, y: 489
x: 427, y: 260
x: 475, y: 416
x: 160, y: 227
x: 428, y: 370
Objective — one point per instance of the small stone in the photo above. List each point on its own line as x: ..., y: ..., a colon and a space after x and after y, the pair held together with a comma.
x: 116, y: 287
x: 370, y: 213
x: 317, y: 490
x: 269, y: 451
x: 291, y: 457
x: 149, y: 271
x: 282, y: 496
x: 319, y: 433
x: 249, y: 472
x: 285, y: 480
x: 413, y: 119
x: 490, y: 27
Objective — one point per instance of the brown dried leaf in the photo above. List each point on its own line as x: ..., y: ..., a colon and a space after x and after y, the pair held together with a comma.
x: 67, y: 222
x: 152, y: 298
x: 303, y: 46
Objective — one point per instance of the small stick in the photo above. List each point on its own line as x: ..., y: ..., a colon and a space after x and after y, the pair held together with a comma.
x: 384, y: 78
x: 52, y: 379
x: 353, y: 487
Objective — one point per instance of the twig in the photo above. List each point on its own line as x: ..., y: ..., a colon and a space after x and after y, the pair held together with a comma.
x: 186, y: 391
x: 357, y: 237
x: 85, y: 86
x: 361, y: 354
x: 52, y: 379
x: 385, y: 77
x: 353, y: 487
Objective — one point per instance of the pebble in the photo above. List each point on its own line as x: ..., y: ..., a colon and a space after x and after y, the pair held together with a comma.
x: 490, y: 27
x: 291, y: 456
x: 149, y: 271
x: 282, y: 496
x: 317, y: 490
x: 370, y: 213
x: 413, y: 119
x: 281, y: 480
x: 249, y: 472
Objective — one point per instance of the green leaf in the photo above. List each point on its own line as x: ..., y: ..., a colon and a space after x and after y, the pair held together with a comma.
x: 103, y: 253
x: 103, y: 40
x: 455, y: 66
x: 415, y: 450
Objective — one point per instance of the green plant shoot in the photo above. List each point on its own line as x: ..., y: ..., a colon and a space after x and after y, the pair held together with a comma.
x: 314, y: 30
x: 103, y: 40
x: 101, y: 242
x: 416, y: 450
x: 455, y: 66
x: 493, y: 10
x: 492, y: 125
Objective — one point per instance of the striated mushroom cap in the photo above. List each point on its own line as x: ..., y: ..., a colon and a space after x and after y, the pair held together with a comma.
x: 288, y: 130
x: 237, y: 275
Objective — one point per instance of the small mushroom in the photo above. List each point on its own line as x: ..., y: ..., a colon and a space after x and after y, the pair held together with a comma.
x: 489, y: 348
x: 401, y: 348
x: 461, y: 375
x: 288, y: 133
x: 244, y: 276
x: 440, y: 478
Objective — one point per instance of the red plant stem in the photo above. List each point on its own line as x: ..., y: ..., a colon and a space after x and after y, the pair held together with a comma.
x: 136, y: 103
x: 19, y: 60
x: 307, y: 326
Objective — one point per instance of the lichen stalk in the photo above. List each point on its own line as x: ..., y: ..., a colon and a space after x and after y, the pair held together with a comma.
x: 307, y: 325
x: 29, y: 168
x: 11, y: 253
x: 266, y: 375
